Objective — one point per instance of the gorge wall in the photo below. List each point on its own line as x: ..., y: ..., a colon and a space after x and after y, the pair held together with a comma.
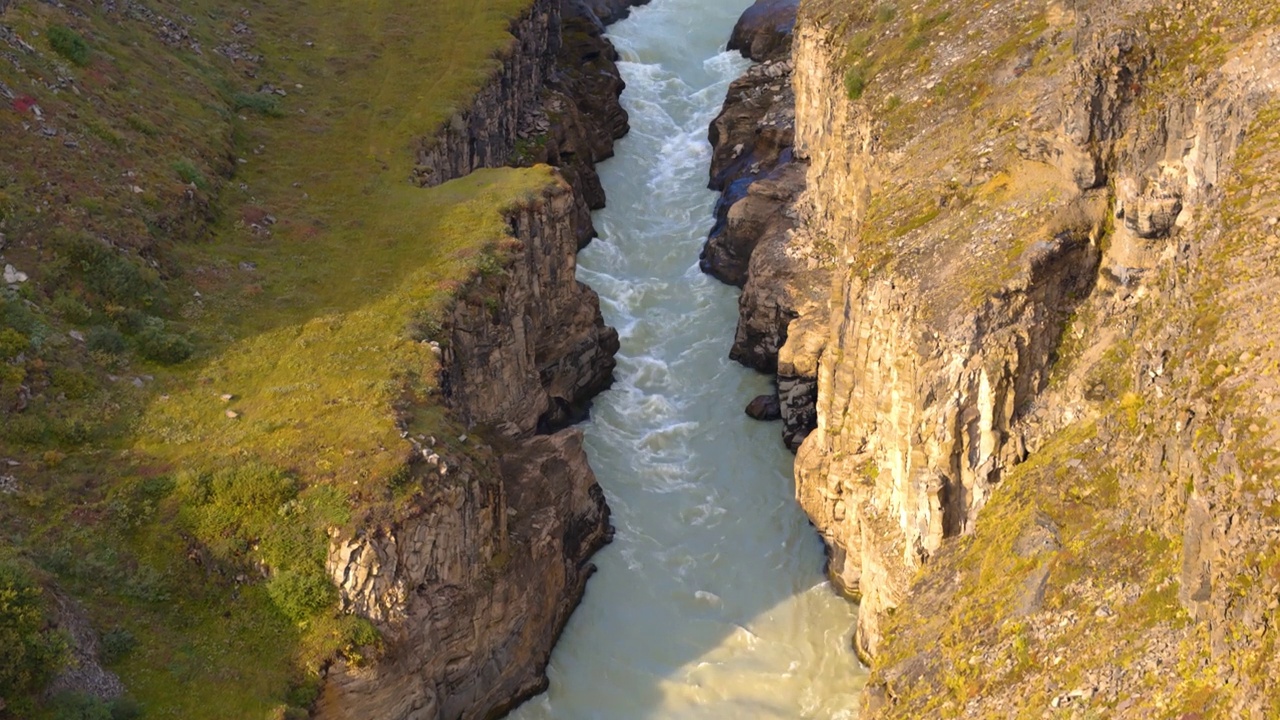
x: 1040, y: 453
x: 471, y: 586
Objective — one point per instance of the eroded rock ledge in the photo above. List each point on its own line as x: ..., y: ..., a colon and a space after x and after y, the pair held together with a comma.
x: 471, y: 585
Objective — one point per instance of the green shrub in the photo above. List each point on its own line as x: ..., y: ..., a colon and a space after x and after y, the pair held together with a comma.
x: 190, y: 174
x: 12, y: 343
x: 141, y: 125
x: 134, y: 501
x: 32, y: 651
x: 74, y: 384
x: 301, y: 592
x: 233, y: 508
x: 157, y: 344
x: 116, y: 644
x: 855, y: 81
x: 72, y: 309
x: 16, y: 314
x: 304, y: 693
x: 253, y: 513
x: 79, y: 706
x: 106, y: 275
x: 106, y: 340
x: 260, y: 103
x: 67, y: 43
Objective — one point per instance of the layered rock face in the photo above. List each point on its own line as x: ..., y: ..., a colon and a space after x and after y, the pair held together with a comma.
x: 528, y: 347
x: 554, y: 100
x: 485, y: 134
x: 580, y: 114
x: 471, y: 584
x: 473, y: 590
x: 1040, y: 375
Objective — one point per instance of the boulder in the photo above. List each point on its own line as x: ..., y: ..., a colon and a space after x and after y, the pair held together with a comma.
x: 765, y: 407
x: 764, y: 30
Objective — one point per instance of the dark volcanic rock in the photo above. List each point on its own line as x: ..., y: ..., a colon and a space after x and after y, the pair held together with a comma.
x: 581, y: 115
x: 611, y: 11
x: 764, y: 30
x: 765, y: 407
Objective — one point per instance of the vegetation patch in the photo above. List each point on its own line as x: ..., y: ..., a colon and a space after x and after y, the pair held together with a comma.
x: 32, y: 651
x: 68, y: 43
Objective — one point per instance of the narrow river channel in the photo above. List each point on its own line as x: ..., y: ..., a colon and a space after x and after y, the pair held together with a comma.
x: 711, y: 602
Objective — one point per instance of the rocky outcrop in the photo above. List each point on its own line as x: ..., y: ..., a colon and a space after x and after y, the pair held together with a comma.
x: 918, y: 389
x: 84, y: 674
x: 757, y: 242
x: 485, y: 133
x: 554, y: 100
x: 1019, y: 460
x: 764, y: 30
x: 580, y: 114
x: 764, y: 407
x: 752, y: 136
x: 751, y: 141
x: 611, y: 11
x: 471, y: 586
x: 471, y: 591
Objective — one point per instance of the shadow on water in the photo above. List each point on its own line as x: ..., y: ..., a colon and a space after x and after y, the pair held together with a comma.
x: 711, y: 602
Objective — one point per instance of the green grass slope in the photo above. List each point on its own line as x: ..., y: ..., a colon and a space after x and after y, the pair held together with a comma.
x: 217, y: 343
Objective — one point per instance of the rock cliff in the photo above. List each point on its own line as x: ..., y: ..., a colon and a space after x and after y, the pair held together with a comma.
x: 472, y: 584
x: 527, y: 346
x: 1041, y: 458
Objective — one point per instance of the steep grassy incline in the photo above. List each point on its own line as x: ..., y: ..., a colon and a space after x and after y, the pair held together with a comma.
x: 211, y: 334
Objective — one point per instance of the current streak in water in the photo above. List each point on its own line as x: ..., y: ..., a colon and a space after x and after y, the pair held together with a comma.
x: 711, y: 601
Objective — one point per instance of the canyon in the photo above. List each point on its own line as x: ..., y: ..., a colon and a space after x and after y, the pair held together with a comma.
x: 1006, y: 282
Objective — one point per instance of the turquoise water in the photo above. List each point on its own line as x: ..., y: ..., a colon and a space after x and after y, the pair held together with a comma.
x: 711, y: 602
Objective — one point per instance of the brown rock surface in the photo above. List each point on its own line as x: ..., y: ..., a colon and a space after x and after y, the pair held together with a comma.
x: 471, y: 586
x: 755, y: 126
x: 580, y: 115
x: 755, y: 243
x: 485, y: 133
x: 527, y: 345
x: 764, y: 407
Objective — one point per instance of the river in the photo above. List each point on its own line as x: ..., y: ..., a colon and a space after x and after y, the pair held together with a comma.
x: 711, y: 602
